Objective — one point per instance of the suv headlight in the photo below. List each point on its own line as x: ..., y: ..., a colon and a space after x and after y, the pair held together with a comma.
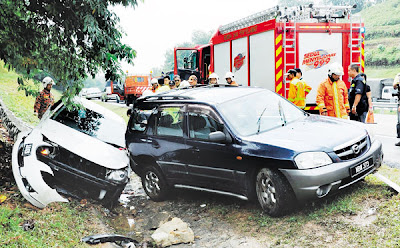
x: 119, y: 176
x: 371, y: 134
x: 308, y: 160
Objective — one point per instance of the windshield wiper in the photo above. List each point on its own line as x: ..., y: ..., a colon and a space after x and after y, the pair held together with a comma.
x: 281, y: 113
x: 259, y: 120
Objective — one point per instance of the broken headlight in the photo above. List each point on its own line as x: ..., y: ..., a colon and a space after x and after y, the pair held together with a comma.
x: 119, y: 176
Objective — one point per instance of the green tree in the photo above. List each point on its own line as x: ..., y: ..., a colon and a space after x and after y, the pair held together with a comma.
x: 65, y: 39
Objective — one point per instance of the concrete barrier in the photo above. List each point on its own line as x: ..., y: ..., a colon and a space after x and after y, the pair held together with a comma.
x: 13, y: 124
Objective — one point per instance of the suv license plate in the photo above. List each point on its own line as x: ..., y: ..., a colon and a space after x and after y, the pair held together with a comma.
x: 356, y: 170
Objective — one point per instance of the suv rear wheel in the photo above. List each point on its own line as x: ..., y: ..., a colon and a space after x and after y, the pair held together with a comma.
x: 273, y: 192
x: 154, y: 184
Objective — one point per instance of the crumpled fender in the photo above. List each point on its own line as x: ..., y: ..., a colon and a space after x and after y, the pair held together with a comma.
x: 31, y: 171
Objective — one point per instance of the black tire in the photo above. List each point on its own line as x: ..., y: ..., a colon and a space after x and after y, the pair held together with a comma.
x: 154, y: 184
x: 117, y: 99
x: 273, y: 192
x: 102, y: 99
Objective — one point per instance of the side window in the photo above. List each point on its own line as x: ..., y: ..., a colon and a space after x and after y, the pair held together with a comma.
x: 139, y: 120
x: 202, y: 124
x: 170, y: 122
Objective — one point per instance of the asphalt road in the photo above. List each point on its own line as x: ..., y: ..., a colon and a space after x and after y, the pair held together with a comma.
x: 385, y: 131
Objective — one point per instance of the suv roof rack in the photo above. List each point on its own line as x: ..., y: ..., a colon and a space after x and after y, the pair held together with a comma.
x: 169, y: 97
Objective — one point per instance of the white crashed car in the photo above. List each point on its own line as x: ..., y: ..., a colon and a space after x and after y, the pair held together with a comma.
x: 75, y: 153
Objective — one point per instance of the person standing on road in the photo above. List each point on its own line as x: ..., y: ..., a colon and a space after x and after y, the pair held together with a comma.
x: 165, y: 87
x: 193, y: 80
x: 298, y: 89
x: 230, y: 77
x: 357, y: 94
x: 177, y: 80
x: 396, y: 83
x: 45, y: 99
x: 153, y: 89
x: 213, y: 79
x: 368, y: 93
x: 332, y: 98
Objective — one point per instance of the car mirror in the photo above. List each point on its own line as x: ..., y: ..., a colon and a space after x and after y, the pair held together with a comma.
x: 217, y: 136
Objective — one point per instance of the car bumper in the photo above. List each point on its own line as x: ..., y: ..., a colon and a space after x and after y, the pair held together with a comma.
x: 41, y: 181
x: 327, y: 180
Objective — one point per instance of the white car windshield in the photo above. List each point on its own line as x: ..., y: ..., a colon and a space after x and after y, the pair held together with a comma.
x: 91, y: 123
x: 259, y: 112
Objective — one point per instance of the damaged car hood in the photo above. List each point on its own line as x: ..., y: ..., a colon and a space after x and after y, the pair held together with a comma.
x: 78, y: 143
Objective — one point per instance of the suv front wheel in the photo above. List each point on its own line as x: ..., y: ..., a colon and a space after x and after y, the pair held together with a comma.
x: 154, y: 184
x: 273, y: 192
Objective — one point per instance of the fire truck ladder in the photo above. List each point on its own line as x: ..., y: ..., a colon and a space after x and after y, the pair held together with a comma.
x: 355, y: 41
x: 289, y: 48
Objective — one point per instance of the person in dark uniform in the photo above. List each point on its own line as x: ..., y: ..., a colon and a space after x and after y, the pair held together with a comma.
x: 357, y: 94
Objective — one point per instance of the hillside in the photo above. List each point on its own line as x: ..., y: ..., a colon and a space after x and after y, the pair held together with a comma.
x: 15, y: 100
x: 382, y: 38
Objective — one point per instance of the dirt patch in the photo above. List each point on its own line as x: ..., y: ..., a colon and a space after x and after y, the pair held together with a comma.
x: 209, y: 224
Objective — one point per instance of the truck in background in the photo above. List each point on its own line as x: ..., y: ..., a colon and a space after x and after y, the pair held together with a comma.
x: 260, y: 48
x: 132, y: 88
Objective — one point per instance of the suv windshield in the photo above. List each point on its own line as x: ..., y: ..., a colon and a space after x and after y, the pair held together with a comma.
x: 259, y: 112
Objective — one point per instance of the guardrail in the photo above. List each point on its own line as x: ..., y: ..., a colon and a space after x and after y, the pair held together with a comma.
x: 384, y: 105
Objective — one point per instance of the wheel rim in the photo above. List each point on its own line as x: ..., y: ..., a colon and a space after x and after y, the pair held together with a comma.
x: 266, y: 191
x: 152, y: 183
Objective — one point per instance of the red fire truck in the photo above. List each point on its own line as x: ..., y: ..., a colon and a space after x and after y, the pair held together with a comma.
x: 260, y: 48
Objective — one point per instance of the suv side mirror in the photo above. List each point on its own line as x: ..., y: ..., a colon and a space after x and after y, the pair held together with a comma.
x: 217, y: 136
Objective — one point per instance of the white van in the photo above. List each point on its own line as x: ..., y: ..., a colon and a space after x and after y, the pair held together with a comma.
x: 387, y: 93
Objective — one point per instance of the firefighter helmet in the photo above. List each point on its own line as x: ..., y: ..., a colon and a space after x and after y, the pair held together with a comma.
x: 46, y: 81
x: 229, y: 75
x: 336, y: 69
x: 214, y: 75
x: 154, y: 81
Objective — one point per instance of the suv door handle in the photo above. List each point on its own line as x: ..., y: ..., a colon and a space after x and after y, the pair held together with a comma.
x: 146, y: 140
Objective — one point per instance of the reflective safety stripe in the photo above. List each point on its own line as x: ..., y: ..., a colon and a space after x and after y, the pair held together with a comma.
x: 337, y: 108
x: 347, y: 105
x: 291, y: 99
x: 321, y: 105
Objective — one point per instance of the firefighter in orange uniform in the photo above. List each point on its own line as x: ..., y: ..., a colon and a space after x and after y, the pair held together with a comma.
x: 45, y: 99
x: 298, y: 89
x: 332, y: 98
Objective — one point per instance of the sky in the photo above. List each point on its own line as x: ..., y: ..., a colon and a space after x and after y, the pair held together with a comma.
x: 155, y: 26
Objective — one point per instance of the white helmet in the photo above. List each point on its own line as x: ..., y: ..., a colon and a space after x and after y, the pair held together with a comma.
x: 229, y: 75
x: 214, y: 75
x: 335, y: 68
x: 47, y: 80
x: 154, y: 81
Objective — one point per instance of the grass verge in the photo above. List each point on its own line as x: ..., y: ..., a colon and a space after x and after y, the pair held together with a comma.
x: 58, y: 225
x: 363, y: 215
x: 382, y: 72
x: 16, y: 101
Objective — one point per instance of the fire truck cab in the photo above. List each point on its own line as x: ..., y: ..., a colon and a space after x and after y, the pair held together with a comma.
x: 260, y: 48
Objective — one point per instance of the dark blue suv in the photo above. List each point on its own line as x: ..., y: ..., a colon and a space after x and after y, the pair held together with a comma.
x: 245, y: 142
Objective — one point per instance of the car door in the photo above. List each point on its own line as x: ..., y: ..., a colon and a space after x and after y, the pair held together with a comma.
x: 215, y: 165
x: 166, y: 143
